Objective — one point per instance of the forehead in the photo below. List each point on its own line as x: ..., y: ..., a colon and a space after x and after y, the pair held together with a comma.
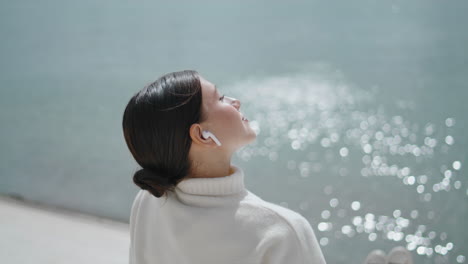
x: 208, y: 89
x: 208, y: 96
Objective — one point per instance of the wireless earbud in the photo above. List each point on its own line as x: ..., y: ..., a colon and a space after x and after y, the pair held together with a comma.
x: 208, y: 134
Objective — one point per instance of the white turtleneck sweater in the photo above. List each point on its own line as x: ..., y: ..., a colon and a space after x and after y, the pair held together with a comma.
x: 217, y: 220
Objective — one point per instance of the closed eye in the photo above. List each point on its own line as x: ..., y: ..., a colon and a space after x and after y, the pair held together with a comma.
x: 221, y: 98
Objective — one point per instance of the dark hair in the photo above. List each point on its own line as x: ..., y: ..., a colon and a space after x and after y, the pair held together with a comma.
x: 156, y: 125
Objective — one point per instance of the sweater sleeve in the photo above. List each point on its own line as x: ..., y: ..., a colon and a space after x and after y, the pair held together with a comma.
x: 297, y: 244
x: 133, y: 215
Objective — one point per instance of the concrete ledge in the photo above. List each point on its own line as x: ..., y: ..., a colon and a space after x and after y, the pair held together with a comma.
x: 35, y: 234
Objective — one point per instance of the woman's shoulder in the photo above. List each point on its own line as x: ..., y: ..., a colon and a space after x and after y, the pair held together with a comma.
x: 272, y: 213
x: 286, y: 230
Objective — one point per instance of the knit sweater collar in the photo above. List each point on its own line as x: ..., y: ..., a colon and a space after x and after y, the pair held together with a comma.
x: 219, y: 186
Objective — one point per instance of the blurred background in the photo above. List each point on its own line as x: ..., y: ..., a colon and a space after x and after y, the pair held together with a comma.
x: 359, y: 106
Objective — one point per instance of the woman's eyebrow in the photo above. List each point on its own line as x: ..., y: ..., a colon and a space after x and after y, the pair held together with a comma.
x: 216, y: 88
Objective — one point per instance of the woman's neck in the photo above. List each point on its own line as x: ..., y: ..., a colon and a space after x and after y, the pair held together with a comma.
x: 213, y: 168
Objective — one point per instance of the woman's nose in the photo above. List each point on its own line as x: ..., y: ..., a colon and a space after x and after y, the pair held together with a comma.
x: 236, y: 103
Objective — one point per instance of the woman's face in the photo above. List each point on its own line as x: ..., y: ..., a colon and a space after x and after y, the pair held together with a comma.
x: 223, y: 117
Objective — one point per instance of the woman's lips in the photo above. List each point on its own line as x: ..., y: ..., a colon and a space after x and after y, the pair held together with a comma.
x: 244, y: 118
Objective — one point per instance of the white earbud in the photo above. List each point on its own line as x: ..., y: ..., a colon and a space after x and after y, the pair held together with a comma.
x: 208, y: 134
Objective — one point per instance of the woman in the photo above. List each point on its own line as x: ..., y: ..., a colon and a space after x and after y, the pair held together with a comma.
x: 183, y: 133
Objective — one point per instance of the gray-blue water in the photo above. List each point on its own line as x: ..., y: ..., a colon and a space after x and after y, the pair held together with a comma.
x: 360, y: 108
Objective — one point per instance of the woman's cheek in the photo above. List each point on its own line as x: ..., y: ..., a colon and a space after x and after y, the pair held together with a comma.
x: 235, y: 118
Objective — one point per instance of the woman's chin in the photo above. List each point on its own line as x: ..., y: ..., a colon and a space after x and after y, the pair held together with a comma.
x: 252, y: 137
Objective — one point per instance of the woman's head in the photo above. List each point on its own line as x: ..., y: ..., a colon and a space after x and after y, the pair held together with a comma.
x: 163, y: 125
x: 222, y: 118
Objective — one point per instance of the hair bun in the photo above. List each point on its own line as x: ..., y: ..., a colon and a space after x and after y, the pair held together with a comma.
x: 152, y: 181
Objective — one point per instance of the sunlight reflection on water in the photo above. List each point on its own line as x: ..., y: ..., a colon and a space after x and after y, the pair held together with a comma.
x: 317, y: 126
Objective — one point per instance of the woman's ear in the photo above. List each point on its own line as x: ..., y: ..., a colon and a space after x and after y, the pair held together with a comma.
x: 195, y: 133
x: 200, y: 136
